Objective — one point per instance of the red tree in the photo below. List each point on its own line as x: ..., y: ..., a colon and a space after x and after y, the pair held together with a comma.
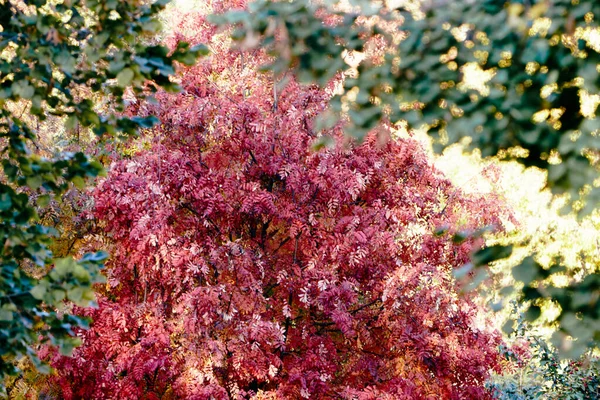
x: 247, y: 265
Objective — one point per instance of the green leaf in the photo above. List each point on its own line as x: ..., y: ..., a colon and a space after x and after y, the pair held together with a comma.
x: 146, y: 122
x: 64, y: 266
x: 34, y: 182
x: 39, y: 291
x: 71, y: 122
x: 5, y: 202
x: 23, y: 89
x: 460, y: 237
x: 6, y: 315
x: 508, y: 327
x: 527, y: 271
x: 200, y: 49
x: 43, y: 200
x: 441, y: 231
x: 58, y: 295
x: 81, y: 273
x: 125, y: 77
x: 533, y: 313
x: 67, y: 346
x: 492, y: 253
x: 75, y: 294
x: 65, y: 61
x: 79, y: 182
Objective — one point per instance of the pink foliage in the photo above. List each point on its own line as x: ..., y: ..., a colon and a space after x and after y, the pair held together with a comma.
x: 247, y: 265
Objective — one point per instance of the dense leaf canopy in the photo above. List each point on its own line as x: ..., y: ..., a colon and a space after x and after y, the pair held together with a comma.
x: 247, y: 264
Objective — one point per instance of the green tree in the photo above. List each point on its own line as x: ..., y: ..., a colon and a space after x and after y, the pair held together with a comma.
x: 518, y: 79
x: 55, y: 58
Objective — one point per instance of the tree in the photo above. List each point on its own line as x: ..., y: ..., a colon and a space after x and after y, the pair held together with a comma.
x: 518, y: 79
x: 245, y: 263
x: 55, y: 57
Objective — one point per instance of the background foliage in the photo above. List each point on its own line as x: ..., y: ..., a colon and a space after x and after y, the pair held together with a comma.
x: 511, y: 78
x: 533, y: 368
x: 56, y: 58
x: 535, y: 371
